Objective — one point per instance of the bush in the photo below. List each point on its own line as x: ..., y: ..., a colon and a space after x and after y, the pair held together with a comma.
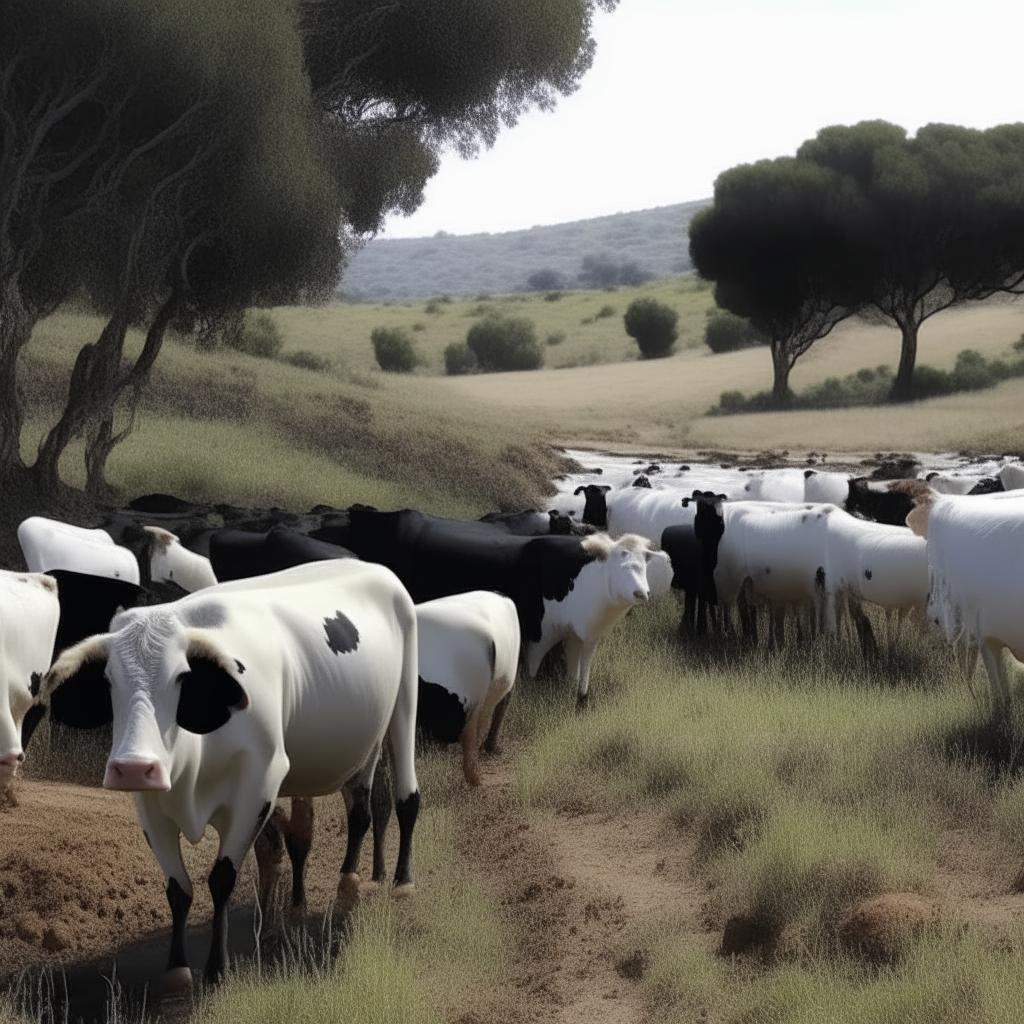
x: 556, y: 338
x: 552, y: 296
x: 546, y: 280
x: 306, y: 360
x: 505, y: 343
x: 394, y: 349
x: 653, y: 324
x: 459, y: 359
x: 256, y: 334
x: 727, y: 332
x: 604, y: 311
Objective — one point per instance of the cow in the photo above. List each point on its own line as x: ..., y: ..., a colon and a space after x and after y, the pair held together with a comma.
x: 976, y: 571
x: 821, y: 487
x: 887, y: 502
x: 567, y: 590
x: 29, y: 613
x: 1011, y: 476
x: 162, y: 558
x: 239, y: 554
x: 952, y: 483
x: 538, y: 524
x: 781, y: 485
x: 285, y: 684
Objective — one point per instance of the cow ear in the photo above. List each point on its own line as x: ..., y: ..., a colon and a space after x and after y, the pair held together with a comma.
x: 604, y: 487
x: 579, y: 490
x: 208, y: 691
x: 76, y: 687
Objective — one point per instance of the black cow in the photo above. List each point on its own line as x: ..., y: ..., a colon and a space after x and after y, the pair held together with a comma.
x: 888, y: 503
x: 595, y: 508
x: 238, y: 554
x: 693, y: 549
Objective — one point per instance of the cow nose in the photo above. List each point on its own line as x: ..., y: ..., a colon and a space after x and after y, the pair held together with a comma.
x: 641, y: 595
x: 9, y: 763
x: 135, y: 775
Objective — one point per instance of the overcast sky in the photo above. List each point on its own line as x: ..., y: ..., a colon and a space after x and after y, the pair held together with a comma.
x: 681, y: 90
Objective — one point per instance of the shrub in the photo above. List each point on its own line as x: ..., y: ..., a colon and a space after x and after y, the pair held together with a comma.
x: 306, y: 360
x: 604, y: 311
x: 546, y: 280
x: 394, y: 349
x: 653, y: 324
x: 459, y: 359
x: 556, y: 338
x: 727, y: 332
x: 505, y: 343
x: 552, y: 296
x: 1018, y: 345
x: 256, y: 334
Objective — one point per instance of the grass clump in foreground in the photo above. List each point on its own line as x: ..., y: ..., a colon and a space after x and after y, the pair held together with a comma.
x: 806, y: 781
x: 972, y: 372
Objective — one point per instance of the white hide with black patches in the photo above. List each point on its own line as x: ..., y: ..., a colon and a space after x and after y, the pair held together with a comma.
x: 296, y: 716
x: 171, y: 562
x: 603, y: 591
x: 49, y: 545
x: 29, y: 613
x: 976, y: 567
x: 469, y: 647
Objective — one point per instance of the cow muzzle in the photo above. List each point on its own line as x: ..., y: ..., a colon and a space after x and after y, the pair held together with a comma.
x: 136, y: 775
x: 640, y: 596
x: 9, y: 767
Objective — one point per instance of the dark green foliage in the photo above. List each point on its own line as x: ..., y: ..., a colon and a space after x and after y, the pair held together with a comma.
x: 394, y: 350
x: 546, y: 280
x: 1018, y: 345
x: 727, y: 332
x: 459, y: 359
x: 603, y: 312
x: 653, y: 325
x: 306, y: 360
x: 552, y: 296
x: 972, y: 372
x: 256, y: 334
x: 505, y: 343
x: 556, y: 338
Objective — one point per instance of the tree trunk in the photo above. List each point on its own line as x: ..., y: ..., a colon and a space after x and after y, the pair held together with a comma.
x: 782, y: 397
x: 16, y: 325
x: 903, y: 385
x: 89, y: 394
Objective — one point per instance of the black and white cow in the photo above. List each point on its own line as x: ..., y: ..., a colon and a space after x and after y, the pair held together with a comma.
x: 888, y: 501
x: 567, y: 590
x: 281, y: 685
x: 29, y: 613
x: 239, y: 554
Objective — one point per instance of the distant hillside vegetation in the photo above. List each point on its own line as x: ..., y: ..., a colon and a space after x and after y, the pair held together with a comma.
x: 653, y: 242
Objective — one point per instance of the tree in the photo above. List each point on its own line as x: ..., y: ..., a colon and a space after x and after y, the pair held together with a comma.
x: 653, y: 325
x: 599, y: 272
x: 505, y: 343
x: 546, y: 280
x: 776, y: 242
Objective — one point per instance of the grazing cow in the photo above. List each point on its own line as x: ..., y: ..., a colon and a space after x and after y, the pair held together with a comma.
x: 887, y: 502
x: 29, y: 612
x: 238, y: 554
x: 566, y: 590
x: 976, y: 567
x: 884, y: 565
x: 281, y: 685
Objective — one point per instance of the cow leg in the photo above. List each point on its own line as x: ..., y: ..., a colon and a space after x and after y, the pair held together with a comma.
x: 991, y: 654
x: 164, y: 840
x: 586, y: 657
x: 238, y: 831
x: 865, y: 633
x: 491, y: 743
x: 573, y: 648
x: 402, y: 737
x: 966, y: 655
x: 269, y: 850
x: 356, y: 792
x: 380, y: 810
x: 297, y: 840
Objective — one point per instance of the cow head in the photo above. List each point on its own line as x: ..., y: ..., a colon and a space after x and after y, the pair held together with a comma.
x: 628, y: 561
x: 595, y: 511
x: 151, y: 677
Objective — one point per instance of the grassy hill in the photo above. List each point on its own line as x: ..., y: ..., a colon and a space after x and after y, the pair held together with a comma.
x: 656, y: 240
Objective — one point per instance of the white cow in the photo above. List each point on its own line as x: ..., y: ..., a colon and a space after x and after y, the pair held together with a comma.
x: 1012, y: 477
x: 281, y: 684
x: 171, y: 562
x: 469, y: 652
x: 783, y: 485
x: 49, y: 544
x: 823, y: 487
x: 29, y: 613
x: 952, y: 483
x: 976, y: 567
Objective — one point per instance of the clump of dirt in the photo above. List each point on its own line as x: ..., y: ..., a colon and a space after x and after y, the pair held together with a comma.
x: 882, y: 928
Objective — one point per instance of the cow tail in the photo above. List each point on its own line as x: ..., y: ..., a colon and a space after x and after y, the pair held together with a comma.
x: 402, y: 730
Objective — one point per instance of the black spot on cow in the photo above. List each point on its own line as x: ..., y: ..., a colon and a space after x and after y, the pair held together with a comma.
x: 239, y: 666
x: 88, y: 603
x: 987, y: 485
x: 83, y: 700
x: 439, y: 713
x: 207, y: 694
x: 36, y: 682
x: 867, y: 574
x: 342, y: 635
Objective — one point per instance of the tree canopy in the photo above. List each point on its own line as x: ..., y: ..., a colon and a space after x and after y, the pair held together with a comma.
x: 864, y: 219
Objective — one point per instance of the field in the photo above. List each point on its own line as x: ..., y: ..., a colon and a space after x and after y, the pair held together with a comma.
x: 730, y: 834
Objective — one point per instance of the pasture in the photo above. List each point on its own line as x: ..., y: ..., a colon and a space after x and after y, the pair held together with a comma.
x: 729, y: 834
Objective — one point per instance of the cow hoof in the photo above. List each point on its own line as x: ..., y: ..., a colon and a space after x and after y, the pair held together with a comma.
x: 176, y: 983
x: 403, y: 890
x: 582, y: 701
x: 348, y: 896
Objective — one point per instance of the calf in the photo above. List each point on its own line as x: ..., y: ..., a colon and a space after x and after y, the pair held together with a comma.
x: 566, y: 590
x: 29, y: 613
x: 281, y: 685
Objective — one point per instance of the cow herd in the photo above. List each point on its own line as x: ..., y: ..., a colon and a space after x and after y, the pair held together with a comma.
x: 289, y: 655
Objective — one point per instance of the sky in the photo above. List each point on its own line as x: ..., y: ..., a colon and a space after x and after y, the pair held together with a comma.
x: 681, y: 90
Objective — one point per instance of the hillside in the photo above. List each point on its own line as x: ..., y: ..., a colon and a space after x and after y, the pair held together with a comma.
x: 655, y: 240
